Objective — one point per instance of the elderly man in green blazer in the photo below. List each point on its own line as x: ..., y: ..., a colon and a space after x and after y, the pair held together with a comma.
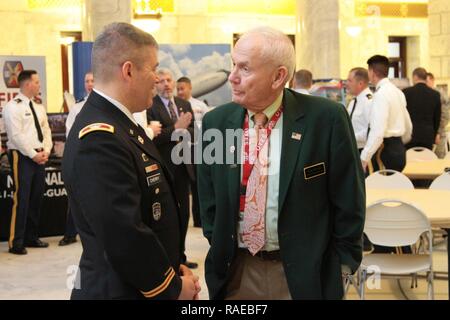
x: 285, y: 217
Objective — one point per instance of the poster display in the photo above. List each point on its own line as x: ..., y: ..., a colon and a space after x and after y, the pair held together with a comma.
x: 207, y: 65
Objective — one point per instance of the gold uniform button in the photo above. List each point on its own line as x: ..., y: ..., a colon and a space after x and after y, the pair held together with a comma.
x: 157, y: 191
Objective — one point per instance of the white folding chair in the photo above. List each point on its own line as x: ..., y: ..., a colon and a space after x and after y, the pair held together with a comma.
x: 442, y: 182
x: 388, y: 179
x: 420, y: 154
x: 394, y: 223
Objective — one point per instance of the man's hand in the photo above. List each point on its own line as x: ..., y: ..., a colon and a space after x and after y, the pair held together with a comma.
x: 41, y: 157
x: 437, y: 140
x: 364, y: 165
x: 156, y: 128
x: 183, y: 121
x: 185, y: 271
x: 189, y: 289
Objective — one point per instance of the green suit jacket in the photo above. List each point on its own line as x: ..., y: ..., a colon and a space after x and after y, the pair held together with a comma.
x: 321, y: 212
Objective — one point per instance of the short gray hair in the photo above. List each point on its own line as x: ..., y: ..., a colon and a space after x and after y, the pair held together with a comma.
x: 117, y: 43
x: 360, y: 74
x: 277, y: 48
x: 164, y: 71
x: 304, y: 78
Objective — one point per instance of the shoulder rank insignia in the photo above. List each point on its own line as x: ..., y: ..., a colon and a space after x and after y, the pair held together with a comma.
x: 369, y: 96
x: 18, y: 100
x: 95, y: 127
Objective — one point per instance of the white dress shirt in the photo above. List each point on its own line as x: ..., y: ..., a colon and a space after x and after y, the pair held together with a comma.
x: 166, y: 104
x: 302, y: 91
x: 141, y: 119
x: 132, y: 116
x: 20, y: 127
x: 389, y: 118
x: 360, y: 115
x: 73, y: 112
x: 199, y: 108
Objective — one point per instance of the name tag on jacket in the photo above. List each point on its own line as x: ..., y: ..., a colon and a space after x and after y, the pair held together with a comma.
x: 314, y: 171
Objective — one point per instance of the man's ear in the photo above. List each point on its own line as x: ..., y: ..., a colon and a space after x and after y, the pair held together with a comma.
x: 280, y: 77
x: 127, y: 70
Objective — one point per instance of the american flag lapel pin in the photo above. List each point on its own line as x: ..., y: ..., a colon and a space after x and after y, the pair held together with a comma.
x: 296, y: 136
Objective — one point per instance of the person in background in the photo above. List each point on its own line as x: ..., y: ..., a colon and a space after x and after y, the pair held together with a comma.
x: 303, y: 80
x: 390, y: 124
x: 424, y: 107
x: 184, y: 91
x: 70, y: 234
x: 174, y: 114
x: 29, y: 144
x: 441, y: 137
x: 360, y: 106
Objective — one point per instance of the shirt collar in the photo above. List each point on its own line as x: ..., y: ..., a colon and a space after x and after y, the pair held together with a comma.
x: 270, y: 110
x: 117, y: 104
x: 166, y: 101
x: 23, y: 97
x: 382, y: 82
x: 363, y: 93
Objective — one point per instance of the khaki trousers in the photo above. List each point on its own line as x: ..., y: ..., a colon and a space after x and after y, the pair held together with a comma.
x: 253, y: 278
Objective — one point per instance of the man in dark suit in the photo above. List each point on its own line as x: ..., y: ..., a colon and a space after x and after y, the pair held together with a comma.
x: 175, y: 115
x: 287, y: 225
x: 424, y: 107
x: 119, y: 189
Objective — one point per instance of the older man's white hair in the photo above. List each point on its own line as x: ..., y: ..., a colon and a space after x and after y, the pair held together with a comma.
x: 164, y: 71
x: 276, y: 47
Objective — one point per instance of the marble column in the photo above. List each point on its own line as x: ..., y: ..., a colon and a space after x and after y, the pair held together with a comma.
x: 317, y: 37
x: 99, y: 13
x: 439, y: 22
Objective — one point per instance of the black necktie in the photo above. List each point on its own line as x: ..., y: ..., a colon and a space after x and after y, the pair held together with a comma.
x: 36, y: 123
x: 354, y: 107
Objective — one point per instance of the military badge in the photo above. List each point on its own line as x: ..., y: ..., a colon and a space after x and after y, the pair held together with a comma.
x: 141, y: 140
x: 95, y: 127
x: 156, y: 208
x: 151, y: 168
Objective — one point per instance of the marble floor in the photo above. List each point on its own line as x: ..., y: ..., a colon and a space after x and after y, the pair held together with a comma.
x: 43, y: 274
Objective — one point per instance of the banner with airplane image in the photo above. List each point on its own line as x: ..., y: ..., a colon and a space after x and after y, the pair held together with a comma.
x: 207, y: 65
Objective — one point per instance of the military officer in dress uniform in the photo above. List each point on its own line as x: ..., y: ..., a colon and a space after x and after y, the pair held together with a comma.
x: 120, y: 192
x: 360, y: 106
x: 29, y: 144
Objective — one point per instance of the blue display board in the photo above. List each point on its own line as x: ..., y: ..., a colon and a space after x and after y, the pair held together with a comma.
x: 81, y: 63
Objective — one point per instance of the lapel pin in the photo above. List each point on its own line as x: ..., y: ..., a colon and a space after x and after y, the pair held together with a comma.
x: 131, y: 132
x: 144, y: 157
x: 141, y: 140
x: 296, y: 136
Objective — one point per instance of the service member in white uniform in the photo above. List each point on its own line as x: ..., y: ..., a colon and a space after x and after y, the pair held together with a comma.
x: 184, y: 91
x: 70, y: 233
x: 76, y: 108
x: 390, y: 124
x: 360, y: 106
x: 29, y: 145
